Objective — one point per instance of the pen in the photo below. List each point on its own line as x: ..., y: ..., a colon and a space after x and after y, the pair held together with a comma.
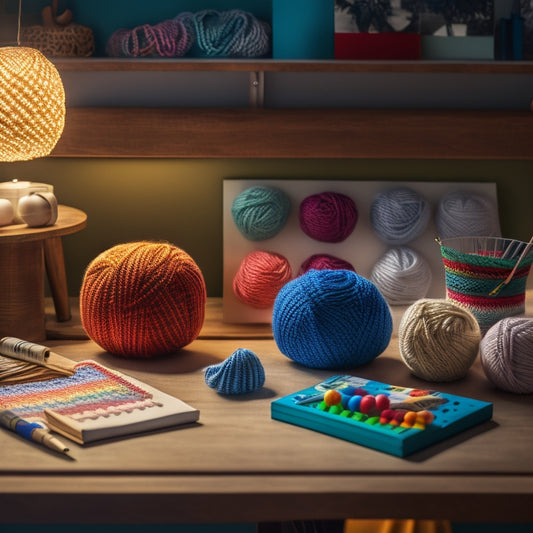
x: 31, y: 431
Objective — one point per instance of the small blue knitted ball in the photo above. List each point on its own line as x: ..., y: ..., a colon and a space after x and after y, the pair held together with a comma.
x: 331, y: 319
x: 260, y: 213
x: 241, y: 373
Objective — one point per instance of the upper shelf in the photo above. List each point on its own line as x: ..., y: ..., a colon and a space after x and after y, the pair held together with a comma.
x: 270, y: 65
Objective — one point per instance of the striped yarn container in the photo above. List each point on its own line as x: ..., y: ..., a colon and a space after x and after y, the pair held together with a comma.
x: 477, y: 271
x: 143, y: 299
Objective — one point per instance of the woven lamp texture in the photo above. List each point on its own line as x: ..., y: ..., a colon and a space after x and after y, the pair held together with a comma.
x: 32, y: 104
x: 143, y: 299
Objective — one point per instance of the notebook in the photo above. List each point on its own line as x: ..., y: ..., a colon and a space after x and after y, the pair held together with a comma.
x: 96, y: 403
x: 448, y: 414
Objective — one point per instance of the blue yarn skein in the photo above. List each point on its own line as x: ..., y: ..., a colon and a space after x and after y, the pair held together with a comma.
x: 260, y: 213
x: 399, y: 215
x: 331, y: 319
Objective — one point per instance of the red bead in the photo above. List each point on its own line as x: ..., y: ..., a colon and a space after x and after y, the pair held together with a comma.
x: 382, y: 402
x: 387, y: 414
x: 368, y: 403
x: 399, y: 414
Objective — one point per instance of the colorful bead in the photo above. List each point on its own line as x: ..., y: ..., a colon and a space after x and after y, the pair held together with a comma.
x: 409, y: 418
x: 368, y: 403
x: 425, y: 417
x: 332, y: 397
x: 382, y: 402
x: 354, y: 403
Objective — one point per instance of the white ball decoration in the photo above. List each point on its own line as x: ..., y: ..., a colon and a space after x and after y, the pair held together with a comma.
x: 38, y: 209
x: 7, y: 213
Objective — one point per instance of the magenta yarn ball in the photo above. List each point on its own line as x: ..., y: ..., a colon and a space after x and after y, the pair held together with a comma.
x: 324, y: 262
x: 328, y: 216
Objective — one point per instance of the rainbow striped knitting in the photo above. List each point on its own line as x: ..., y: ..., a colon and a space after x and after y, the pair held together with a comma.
x: 93, y: 391
x: 472, y: 276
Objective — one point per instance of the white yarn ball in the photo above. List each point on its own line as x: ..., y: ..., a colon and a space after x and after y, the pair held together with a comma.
x: 402, y: 276
x: 438, y: 339
x: 506, y: 354
x: 464, y: 214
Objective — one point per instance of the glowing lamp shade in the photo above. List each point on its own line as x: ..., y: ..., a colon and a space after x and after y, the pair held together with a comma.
x: 32, y: 104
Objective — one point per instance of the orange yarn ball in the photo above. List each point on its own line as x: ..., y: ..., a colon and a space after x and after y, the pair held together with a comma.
x: 143, y: 299
x: 260, y: 277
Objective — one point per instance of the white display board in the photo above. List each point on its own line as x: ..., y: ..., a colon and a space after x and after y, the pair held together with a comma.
x: 362, y: 248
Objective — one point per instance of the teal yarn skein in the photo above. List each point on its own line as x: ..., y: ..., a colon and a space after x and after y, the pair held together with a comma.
x: 331, y: 319
x: 232, y: 33
x: 260, y: 213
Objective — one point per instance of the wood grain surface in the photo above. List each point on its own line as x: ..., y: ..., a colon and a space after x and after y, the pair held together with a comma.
x: 237, y: 464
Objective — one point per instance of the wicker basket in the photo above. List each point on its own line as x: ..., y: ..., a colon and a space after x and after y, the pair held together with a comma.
x: 487, y: 275
x: 72, y: 40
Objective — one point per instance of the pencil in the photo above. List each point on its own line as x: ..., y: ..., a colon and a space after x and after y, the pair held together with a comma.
x: 31, y: 431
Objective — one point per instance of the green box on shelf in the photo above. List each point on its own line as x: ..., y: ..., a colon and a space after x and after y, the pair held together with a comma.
x: 437, y: 47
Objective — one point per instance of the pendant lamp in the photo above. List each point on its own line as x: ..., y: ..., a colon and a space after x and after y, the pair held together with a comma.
x: 32, y: 103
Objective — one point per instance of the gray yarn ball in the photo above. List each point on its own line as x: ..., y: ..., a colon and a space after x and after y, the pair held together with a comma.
x: 506, y: 354
x: 399, y: 215
x: 464, y: 214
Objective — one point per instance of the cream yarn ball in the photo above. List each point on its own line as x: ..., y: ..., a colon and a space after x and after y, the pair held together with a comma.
x: 438, y: 339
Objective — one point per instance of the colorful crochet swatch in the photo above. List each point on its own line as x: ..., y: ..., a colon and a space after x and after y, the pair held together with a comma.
x: 93, y: 391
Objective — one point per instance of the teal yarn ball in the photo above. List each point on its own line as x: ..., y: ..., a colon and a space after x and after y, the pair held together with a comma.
x: 260, y: 213
x: 331, y: 319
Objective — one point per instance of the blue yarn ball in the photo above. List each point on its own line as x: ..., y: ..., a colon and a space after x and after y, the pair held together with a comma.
x: 260, y: 213
x: 399, y: 215
x: 331, y: 319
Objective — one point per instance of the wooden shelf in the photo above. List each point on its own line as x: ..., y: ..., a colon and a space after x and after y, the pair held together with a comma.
x: 270, y: 65
x: 296, y: 133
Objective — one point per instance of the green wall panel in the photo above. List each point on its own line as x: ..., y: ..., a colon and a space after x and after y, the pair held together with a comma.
x: 181, y: 200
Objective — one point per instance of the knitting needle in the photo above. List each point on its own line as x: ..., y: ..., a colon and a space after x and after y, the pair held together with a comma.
x: 517, y: 264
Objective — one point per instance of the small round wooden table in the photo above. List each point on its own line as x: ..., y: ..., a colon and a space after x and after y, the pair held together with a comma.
x: 25, y: 255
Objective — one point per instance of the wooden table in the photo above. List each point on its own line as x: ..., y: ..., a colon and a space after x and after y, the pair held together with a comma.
x: 25, y: 254
x: 239, y: 465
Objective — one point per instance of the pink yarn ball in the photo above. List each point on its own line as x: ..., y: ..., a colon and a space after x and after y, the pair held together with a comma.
x: 328, y: 216
x: 260, y: 277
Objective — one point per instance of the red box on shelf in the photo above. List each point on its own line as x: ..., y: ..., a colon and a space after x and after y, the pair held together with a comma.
x: 387, y: 45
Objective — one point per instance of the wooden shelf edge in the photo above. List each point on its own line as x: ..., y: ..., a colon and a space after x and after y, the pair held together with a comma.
x: 296, y: 133
x: 106, y: 64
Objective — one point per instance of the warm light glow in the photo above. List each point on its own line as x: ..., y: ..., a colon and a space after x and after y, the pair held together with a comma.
x: 32, y: 104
